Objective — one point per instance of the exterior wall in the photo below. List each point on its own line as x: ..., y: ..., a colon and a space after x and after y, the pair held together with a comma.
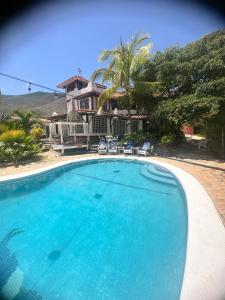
x: 90, y: 88
x: 188, y: 130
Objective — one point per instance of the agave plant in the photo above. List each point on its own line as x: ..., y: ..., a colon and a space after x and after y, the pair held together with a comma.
x: 125, y: 65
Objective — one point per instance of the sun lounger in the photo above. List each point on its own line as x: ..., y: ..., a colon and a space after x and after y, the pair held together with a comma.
x: 102, y: 148
x: 146, y: 149
x: 129, y: 148
x: 113, y: 148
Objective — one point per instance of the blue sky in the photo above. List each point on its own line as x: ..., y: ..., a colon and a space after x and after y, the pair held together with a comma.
x: 48, y: 44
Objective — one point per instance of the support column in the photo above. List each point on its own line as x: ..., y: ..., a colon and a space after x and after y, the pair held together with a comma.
x: 50, y: 132
x: 140, y: 124
x: 74, y: 132
x: 90, y: 126
x: 108, y: 126
x: 129, y: 126
x: 61, y: 133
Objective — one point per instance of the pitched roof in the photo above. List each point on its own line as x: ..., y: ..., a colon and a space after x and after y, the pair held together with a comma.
x: 71, y: 80
x: 76, y: 78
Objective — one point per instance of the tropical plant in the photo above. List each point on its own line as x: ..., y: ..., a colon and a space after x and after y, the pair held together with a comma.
x: 16, y: 145
x: 3, y: 128
x: 37, y: 132
x: 26, y: 120
x: 140, y: 137
x: 125, y: 66
x: 168, y: 139
x: 12, y: 136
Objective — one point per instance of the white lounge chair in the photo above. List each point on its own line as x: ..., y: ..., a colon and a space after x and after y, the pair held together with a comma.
x: 146, y: 149
x: 113, y: 148
x: 129, y: 148
x: 102, y: 148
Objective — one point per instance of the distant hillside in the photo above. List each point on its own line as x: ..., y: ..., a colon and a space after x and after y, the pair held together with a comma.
x: 43, y: 103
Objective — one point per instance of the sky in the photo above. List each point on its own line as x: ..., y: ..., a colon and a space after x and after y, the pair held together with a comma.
x: 50, y: 43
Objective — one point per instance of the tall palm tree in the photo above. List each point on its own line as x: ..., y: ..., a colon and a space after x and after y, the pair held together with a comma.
x: 125, y: 65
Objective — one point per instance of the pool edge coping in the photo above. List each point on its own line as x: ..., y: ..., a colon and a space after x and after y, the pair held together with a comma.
x: 204, y: 271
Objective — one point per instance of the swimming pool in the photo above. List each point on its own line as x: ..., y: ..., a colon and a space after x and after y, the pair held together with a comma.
x: 101, y: 229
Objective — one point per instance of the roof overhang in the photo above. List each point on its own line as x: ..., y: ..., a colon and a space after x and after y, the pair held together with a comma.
x: 73, y: 79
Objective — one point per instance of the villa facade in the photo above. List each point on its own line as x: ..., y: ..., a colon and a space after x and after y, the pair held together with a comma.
x: 81, y: 98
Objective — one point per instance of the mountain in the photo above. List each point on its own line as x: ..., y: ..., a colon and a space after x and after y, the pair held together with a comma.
x: 41, y: 102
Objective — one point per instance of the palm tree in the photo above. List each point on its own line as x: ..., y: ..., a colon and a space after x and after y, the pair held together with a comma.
x: 125, y: 65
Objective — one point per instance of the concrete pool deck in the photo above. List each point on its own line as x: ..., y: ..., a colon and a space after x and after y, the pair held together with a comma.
x: 205, y: 260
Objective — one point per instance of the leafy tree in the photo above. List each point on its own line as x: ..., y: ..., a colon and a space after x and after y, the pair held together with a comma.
x: 193, y: 86
x: 125, y: 66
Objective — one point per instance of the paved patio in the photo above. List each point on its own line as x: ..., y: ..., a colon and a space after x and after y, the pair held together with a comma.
x: 209, y: 172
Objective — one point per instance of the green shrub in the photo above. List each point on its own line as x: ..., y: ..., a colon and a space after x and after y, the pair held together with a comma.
x: 2, y: 153
x: 140, y: 137
x: 37, y: 132
x: 12, y: 136
x: 168, y: 139
x: 3, y: 128
x: 17, y: 146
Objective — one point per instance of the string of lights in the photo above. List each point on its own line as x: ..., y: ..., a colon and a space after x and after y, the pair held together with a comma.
x: 35, y: 84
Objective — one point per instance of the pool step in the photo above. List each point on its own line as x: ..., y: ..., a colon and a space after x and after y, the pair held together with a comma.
x: 157, y: 176
x: 154, y: 170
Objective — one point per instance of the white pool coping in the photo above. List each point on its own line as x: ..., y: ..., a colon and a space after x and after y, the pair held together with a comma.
x: 204, y: 274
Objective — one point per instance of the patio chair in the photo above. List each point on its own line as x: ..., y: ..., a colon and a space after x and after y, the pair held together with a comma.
x: 146, y: 149
x: 101, y: 139
x: 115, y: 138
x: 113, y: 147
x: 109, y: 138
x: 129, y: 148
x: 203, y: 144
x: 102, y: 148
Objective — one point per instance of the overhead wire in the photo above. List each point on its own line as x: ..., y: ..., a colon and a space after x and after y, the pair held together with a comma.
x: 30, y: 83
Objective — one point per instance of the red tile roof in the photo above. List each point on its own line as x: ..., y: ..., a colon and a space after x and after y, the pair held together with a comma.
x: 71, y: 80
x: 67, y: 82
x: 139, y: 117
x: 116, y: 95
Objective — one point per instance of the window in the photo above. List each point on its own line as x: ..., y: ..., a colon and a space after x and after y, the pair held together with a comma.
x: 114, y: 104
x: 81, y: 85
x: 84, y: 103
x: 99, y: 124
x: 70, y: 87
x: 134, y: 126
x: 119, y: 126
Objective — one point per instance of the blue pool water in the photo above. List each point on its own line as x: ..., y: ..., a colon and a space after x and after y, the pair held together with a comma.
x: 103, y: 229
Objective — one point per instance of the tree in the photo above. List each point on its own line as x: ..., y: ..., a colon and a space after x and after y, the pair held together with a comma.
x: 125, y: 66
x: 193, y: 79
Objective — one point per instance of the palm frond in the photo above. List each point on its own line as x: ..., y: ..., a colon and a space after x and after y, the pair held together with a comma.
x: 106, y: 95
x: 107, y: 55
x: 137, y: 40
x: 140, y: 58
x: 146, y: 87
x: 103, y: 74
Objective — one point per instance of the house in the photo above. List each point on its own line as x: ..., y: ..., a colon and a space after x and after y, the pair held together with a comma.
x: 81, y: 97
x: 82, y: 92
